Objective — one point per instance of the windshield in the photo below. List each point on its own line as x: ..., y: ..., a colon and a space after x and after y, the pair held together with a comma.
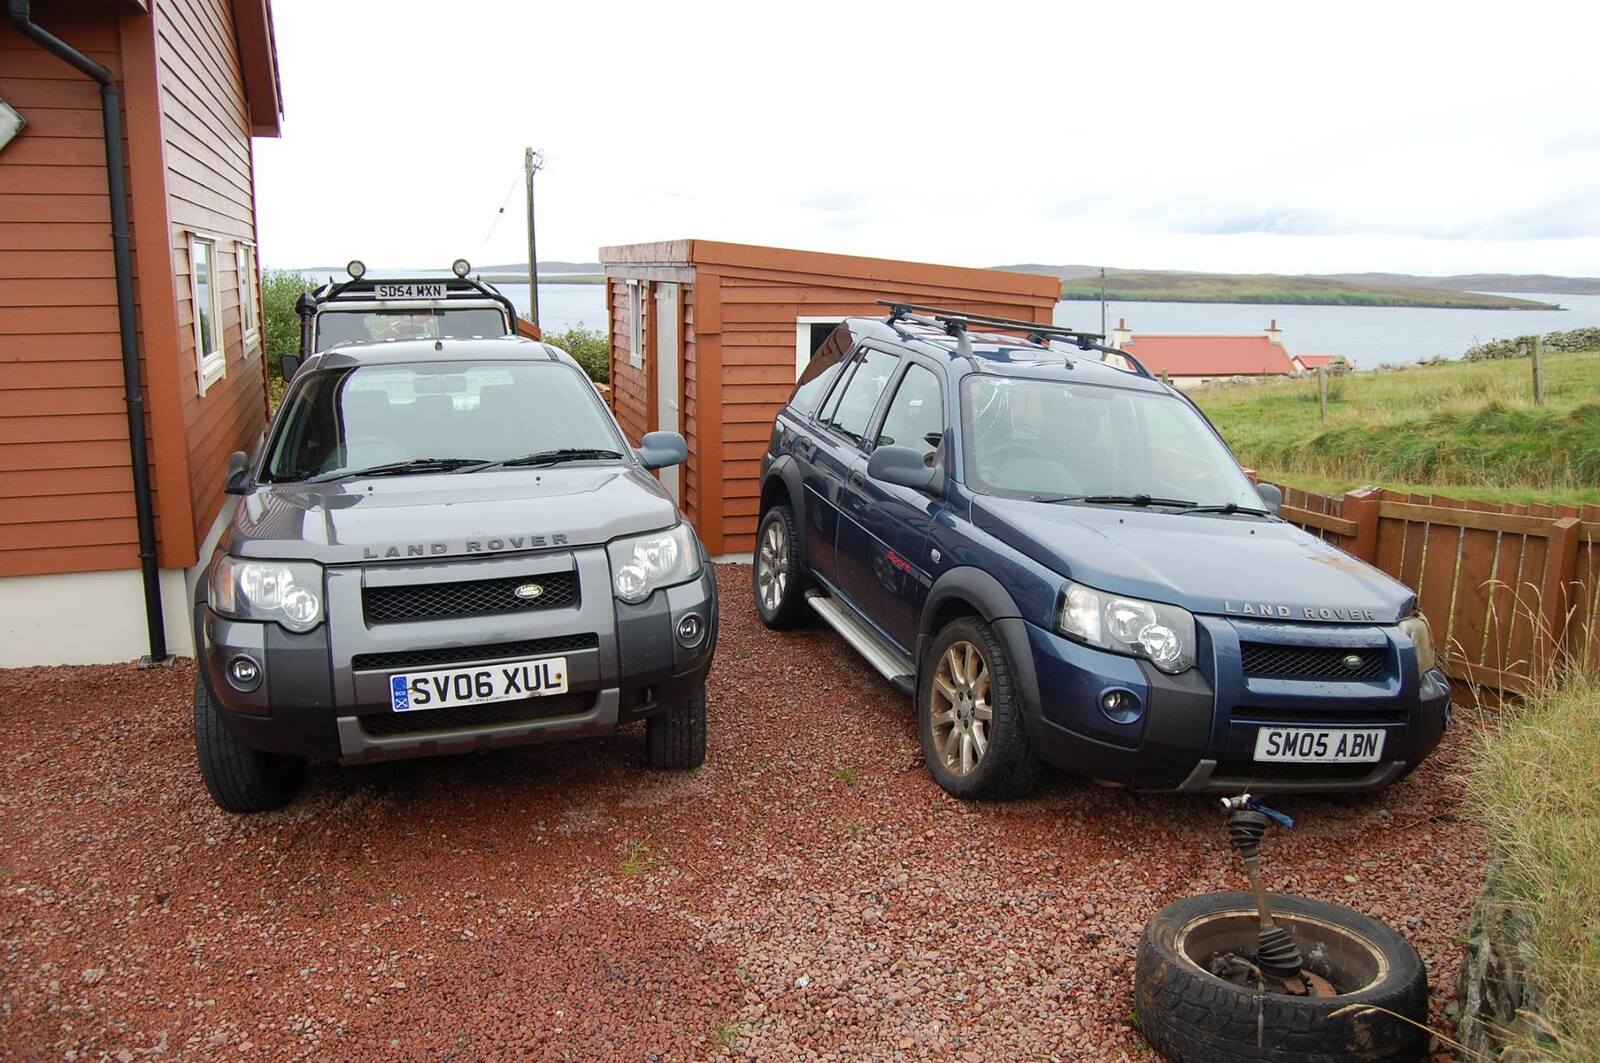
x: 1052, y: 440
x: 336, y: 327
x: 360, y: 418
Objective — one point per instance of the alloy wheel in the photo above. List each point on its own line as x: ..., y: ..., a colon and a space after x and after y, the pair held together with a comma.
x: 962, y: 712
x: 772, y: 566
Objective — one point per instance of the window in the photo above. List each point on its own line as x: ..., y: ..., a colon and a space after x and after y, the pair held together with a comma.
x: 347, y: 419
x: 336, y: 327
x: 635, y: 325
x: 858, y: 396
x: 249, y: 308
x: 211, y: 362
x: 916, y: 414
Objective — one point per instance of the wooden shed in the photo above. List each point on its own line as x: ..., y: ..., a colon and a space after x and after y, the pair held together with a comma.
x: 197, y: 81
x: 709, y: 338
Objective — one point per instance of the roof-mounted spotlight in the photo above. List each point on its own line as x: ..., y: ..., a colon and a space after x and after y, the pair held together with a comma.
x: 461, y: 267
x: 356, y: 268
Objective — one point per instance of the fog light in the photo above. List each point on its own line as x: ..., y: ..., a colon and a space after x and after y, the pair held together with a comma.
x: 356, y: 268
x: 1120, y: 706
x: 461, y: 267
x: 690, y: 629
x: 244, y: 673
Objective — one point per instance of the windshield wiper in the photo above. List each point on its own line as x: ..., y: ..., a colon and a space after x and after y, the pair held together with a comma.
x: 400, y: 468
x: 555, y: 457
x: 1120, y: 500
x: 1229, y: 507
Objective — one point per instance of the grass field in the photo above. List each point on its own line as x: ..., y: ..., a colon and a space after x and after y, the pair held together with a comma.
x: 1533, y: 784
x: 1468, y: 429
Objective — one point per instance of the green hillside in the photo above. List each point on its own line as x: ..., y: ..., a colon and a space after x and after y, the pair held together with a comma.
x: 1468, y: 429
x: 1164, y: 286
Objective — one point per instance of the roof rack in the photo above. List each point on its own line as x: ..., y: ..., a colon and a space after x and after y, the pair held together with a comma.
x: 956, y: 322
x: 454, y: 288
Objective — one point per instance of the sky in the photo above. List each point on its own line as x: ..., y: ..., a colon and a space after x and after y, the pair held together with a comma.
x: 1282, y: 137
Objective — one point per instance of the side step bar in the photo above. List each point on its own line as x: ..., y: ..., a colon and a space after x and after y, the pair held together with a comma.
x: 890, y: 663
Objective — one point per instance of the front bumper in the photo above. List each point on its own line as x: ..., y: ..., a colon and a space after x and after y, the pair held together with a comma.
x: 1196, y: 733
x: 331, y: 698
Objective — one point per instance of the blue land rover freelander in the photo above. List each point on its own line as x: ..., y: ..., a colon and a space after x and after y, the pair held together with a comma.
x: 1059, y: 559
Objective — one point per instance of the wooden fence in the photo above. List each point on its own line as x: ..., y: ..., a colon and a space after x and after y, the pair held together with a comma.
x: 1510, y: 590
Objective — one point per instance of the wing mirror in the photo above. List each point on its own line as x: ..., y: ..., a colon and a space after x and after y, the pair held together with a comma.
x: 288, y: 366
x: 902, y: 467
x: 657, y: 450
x: 238, y: 473
x: 1271, y: 497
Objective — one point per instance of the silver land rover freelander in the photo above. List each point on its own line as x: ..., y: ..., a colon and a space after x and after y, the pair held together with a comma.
x: 445, y: 545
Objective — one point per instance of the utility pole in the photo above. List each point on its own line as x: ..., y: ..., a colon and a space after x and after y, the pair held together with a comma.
x: 1102, y: 301
x: 532, y: 162
x: 1538, y: 373
x: 1322, y: 391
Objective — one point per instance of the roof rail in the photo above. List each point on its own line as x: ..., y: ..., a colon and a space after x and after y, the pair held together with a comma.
x: 953, y: 321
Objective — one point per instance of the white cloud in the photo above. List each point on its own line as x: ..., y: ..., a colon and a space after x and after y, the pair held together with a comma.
x: 1242, y: 137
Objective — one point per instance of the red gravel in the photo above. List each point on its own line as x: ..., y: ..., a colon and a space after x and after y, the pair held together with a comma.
x: 810, y: 893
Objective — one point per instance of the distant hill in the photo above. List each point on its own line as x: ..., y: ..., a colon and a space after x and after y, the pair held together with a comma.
x: 547, y: 266
x: 1181, y: 286
x: 1541, y: 283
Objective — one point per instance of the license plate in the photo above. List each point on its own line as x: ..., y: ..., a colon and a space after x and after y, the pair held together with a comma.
x: 1318, y: 745
x: 408, y: 291
x: 452, y: 687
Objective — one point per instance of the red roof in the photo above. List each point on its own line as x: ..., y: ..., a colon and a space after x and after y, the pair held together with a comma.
x: 1210, y: 355
x: 1317, y: 361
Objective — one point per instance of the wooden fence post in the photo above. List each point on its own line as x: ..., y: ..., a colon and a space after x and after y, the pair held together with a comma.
x: 1538, y: 373
x: 1322, y: 390
x: 1555, y: 588
x: 1361, y: 506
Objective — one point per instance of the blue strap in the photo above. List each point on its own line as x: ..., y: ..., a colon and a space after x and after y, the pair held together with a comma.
x: 1272, y: 812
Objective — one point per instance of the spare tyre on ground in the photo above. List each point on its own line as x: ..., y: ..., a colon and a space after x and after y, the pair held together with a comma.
x: 1190, y: 1015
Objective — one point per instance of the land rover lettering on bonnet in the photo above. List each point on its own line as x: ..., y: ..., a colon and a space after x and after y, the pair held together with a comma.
x: 1057, y: 558
x: 322, y: 634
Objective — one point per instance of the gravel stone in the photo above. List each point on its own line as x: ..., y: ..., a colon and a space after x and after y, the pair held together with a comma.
x: 809, y: 893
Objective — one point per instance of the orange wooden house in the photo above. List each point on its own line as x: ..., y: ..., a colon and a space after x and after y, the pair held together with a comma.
x: 709, y: 338
x: 192, y: 81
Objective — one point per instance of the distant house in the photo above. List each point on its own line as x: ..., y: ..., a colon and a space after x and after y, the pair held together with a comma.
x: 1187, y: 360
x: 97, y: 547
x: 1310, y: 363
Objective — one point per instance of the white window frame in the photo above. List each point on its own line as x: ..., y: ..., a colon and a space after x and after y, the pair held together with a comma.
x: 244, y: 258
x: 210, y: 366
x: 635, y: 324
x: 802, y: 339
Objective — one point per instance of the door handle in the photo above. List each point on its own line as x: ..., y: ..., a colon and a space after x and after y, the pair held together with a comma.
x: 857, y: 479
x: 805, y: 446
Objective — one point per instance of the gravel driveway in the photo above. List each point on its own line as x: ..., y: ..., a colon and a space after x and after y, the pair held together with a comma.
x: 809, y: 893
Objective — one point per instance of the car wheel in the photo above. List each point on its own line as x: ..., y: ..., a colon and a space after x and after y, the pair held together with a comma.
x: 240, y: 779
x: 776, y: 579
x: 675, y: 739
x: 1373, y: 1007
x: 969, y: 715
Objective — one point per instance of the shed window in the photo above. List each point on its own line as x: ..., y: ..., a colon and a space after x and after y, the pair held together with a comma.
x: 211, y: 362
x: 635, y: 324
x: 249, y: 311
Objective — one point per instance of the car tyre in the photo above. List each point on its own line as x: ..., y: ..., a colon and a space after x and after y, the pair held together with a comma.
x: 1189, y: 1015
x: 675, y: 740
x: 240, y: 779
x: 969, y: 716
x: 776, y: 580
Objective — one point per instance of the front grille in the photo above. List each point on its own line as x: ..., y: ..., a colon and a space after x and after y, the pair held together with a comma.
x: 1247, y: 771
x: 1264, y: 660
x: 1298, y: 714
x: 380, y: 724
x: 479, y: 597
x: 363, y: 662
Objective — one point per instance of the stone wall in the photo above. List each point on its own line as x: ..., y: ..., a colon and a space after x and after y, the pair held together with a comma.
x: 1579, y: 339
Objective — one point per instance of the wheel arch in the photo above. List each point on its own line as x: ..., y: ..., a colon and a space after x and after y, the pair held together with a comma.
x: 970, y: 591
x: 782, y: 486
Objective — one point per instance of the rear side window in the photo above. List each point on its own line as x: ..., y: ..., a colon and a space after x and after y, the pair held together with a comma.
x: 858, y: 397
x: 820, y: 371
x: 916, y: 414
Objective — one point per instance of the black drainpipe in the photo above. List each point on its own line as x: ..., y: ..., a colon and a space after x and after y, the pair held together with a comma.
x: 122, y: 253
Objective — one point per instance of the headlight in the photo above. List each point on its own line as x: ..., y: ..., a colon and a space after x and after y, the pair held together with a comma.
x: 287, y: 592
x: 642, y: 565
x: 1417, y: 630
x: 1161, y: 634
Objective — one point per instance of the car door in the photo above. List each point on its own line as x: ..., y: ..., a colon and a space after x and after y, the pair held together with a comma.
x: 883, y: 528
x: 841, y: 439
